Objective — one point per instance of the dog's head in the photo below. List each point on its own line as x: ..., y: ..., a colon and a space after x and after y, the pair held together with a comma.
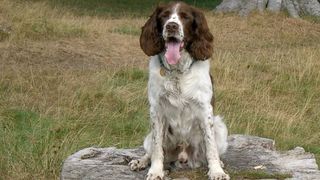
x: 174, y: 27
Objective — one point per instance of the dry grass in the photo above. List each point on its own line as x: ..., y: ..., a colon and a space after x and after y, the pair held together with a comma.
x: 69, y: 82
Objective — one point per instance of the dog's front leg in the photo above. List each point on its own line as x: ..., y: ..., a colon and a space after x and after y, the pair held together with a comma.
x: 157, y: 127
x: 207, y: 125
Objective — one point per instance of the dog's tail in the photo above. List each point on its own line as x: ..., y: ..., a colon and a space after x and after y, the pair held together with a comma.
x: 221, y: 134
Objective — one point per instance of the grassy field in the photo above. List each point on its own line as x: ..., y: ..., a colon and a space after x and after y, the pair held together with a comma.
x: 121, y: 8
x: 72, y: 77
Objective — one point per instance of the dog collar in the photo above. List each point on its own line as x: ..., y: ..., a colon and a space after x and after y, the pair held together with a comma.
x: 164, y: 70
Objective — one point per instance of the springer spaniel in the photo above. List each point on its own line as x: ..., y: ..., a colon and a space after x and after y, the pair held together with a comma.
x: 184, y: 130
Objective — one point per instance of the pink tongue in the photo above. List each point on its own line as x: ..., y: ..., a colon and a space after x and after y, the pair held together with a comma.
x: 173, y: 52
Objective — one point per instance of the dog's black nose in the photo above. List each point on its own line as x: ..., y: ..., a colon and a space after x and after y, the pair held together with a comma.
x: 172, y: 26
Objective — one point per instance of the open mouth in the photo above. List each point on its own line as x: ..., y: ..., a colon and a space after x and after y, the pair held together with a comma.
x: 173, y: 50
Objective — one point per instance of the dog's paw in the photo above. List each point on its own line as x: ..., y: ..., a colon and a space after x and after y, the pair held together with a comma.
x: 153, y: 175
x: 137, y: 165
x: 218, y: 176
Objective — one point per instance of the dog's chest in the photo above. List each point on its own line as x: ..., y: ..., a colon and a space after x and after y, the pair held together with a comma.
x: 179, y: 106
x: 175, y: 91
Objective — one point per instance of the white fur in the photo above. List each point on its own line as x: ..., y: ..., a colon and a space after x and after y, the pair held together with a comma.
x: 174, y: 18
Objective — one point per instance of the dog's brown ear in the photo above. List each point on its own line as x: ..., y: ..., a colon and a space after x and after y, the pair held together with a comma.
x: 150, y: 39
x: 201, y: 47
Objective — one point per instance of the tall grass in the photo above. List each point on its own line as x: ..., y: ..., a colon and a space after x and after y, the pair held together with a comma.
x: 69, y: 82
x: 112, y: 111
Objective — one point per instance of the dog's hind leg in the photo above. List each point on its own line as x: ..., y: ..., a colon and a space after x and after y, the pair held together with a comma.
x: 221, y: 134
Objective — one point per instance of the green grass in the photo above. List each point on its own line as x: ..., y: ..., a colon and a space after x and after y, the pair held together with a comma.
x: 313, y: 19
x: 120, y: 8
x: 36, y: 144
x: 32, y: 137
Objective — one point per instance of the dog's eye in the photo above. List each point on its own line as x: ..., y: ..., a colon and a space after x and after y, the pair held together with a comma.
x: 165, y: 14
x: 185, y: 16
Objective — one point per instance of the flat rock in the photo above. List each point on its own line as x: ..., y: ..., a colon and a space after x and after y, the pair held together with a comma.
x: 244, y: 153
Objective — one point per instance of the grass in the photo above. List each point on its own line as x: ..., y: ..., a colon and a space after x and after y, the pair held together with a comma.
x: 120, y: 8
x: 29, y: 135
x: 39, y: 143
x: 127, y: 30
x: 72, y: 77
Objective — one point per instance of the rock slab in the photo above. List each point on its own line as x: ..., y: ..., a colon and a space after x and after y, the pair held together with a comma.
x: 295, y: 8
x: 244, y: 153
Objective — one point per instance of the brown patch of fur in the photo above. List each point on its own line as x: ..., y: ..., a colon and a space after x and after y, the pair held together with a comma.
x: 201, y: 44
x: 198, y: 37
x: 151, y: 41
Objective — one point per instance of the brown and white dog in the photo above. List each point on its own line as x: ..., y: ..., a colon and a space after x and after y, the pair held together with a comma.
x: 183, y: 127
